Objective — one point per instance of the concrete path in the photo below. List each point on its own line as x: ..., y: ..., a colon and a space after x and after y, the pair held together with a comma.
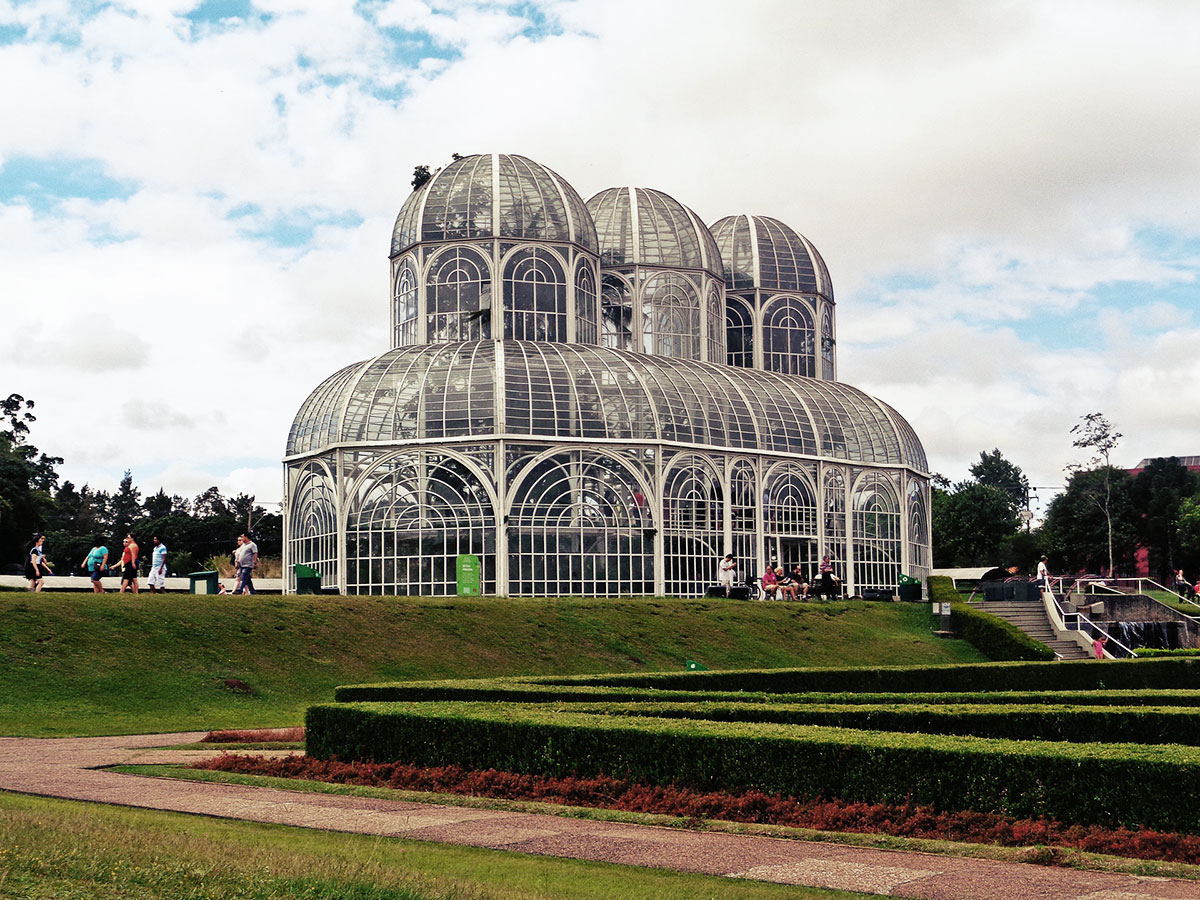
x: 70, y: 768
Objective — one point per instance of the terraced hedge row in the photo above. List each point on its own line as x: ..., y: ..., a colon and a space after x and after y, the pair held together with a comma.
x: 1156, y: 786
x: 1084, y: 675
x: 1114, y: 743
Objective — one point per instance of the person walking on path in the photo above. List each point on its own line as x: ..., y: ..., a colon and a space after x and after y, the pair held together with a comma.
x: 129, y: 562
x: 1043, y: 574
x: 726, y: 570
x: 158, y: 567
x: 96, y: 563
x: 245, y: 558
x: 36, y: 566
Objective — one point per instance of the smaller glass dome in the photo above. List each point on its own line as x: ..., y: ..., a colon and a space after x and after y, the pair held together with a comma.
x: 494, y: 195
x: 640, y: 226
x: 764, y: 253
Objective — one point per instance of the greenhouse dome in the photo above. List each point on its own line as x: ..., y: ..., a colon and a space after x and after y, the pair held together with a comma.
x: 577, y: 401
x: 660, y: 274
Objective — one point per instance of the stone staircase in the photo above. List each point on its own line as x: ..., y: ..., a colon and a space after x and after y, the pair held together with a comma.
x: 1031, y: 618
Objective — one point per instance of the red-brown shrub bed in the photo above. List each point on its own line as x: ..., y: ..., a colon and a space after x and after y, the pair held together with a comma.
x: 743, y: 806
x: 255, y: 736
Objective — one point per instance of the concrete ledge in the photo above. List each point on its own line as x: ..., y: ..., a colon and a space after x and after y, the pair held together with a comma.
x: 175, y: 584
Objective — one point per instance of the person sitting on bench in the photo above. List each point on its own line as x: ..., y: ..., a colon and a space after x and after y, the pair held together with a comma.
x: 787, y: 586
x: 829, y: 581
x: 770, y: 583
x: 800, y: 581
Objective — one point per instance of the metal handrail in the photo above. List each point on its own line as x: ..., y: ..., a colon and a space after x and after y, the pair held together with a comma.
x: 1095, y: 628
x: 1058, y: 617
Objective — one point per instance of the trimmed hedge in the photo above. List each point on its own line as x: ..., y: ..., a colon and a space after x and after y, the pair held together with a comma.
x: 992, y: 636
x: 1089, y: 724
x: 1163, y: 674
x: 1121, y: 784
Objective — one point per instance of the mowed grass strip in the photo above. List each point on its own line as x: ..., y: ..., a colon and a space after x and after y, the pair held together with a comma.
x: 55, y: 848
x: 75, y: 664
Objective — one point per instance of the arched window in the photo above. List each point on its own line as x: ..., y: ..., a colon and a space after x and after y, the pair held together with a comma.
x: 580, y: 525
x: 404, y: 305
x: 743, y: 493
x: 918, y: 527
x: 739, y: 333
x: 411, y: 518
x: 670, y: 317
x: 828, y: 343
x: 875, y: 524
x: 459, y: 297
x: 693, y: 528
x: 312, y: 518
x: 535, y: 296
x: 790, y: 517
x: 585, y: 305
x: 716, y: 329
x: 616, y: 313
x: 788, y: 337
x: 833, y: 505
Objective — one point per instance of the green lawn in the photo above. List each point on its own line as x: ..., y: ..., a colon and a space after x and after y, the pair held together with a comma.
x: 121, y: 663
x: 57, y: 849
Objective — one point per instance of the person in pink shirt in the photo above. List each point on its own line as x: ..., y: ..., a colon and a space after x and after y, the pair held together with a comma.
x: 770, y: 582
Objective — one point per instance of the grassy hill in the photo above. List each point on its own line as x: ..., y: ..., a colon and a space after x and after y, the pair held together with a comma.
x: 117, y: 663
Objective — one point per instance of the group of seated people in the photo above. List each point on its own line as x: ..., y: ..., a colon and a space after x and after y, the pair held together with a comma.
x: 777, y: 582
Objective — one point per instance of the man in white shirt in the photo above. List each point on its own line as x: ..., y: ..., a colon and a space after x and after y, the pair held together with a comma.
x: 158, y: 567
x: 245, y: 557
x: 1043, y: 574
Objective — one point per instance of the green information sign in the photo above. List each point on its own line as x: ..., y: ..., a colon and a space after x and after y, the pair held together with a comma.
x: 468, y: 575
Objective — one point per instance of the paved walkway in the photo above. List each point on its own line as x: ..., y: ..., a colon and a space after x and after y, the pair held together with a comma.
x: 69, y: 768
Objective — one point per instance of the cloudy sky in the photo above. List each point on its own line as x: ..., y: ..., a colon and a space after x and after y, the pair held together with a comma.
x: 196, y: 199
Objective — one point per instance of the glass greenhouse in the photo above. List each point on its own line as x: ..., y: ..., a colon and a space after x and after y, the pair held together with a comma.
x: 598, y: 399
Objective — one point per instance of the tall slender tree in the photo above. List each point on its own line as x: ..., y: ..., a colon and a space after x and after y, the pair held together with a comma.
x: 1096, y: 433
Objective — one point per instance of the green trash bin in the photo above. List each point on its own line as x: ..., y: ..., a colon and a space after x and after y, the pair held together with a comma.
x: 909, y: 589
x: 203, y: 582
x: 308, y: 580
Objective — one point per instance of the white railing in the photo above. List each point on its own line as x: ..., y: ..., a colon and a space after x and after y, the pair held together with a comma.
x: 1073, y: 621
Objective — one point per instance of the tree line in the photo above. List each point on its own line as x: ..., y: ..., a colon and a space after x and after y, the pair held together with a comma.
x: 1098, y: 524
x: 32, y: 500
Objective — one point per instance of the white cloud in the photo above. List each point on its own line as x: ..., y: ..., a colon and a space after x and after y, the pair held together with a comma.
x: 1001, y: 158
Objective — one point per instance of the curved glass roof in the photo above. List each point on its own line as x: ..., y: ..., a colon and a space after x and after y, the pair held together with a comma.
x: 591, y: 393
x: 640, y: 226
x: 494, y: 195
x: 761, y: 252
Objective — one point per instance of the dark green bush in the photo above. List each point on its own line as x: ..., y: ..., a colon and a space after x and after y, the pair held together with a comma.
x: 990, y: 635
x: 1163, y: 674
x: 1120, y: 784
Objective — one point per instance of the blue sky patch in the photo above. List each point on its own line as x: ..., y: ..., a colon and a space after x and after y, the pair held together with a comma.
x: 12, y: 34
x: 220, y: 15
x: 43, y: 183
x: 293, y: 228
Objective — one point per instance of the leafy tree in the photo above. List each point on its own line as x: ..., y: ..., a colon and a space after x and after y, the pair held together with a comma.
x: 210, y: 503
x: 1078, y: 534
x: 993, y: 469
x: 972, y: 524
x: 1158, y: 492
x: 16, y: 410
x: 126, y: 506
x: 421, y: 175
x: 27, y: 478
x: 1189, y: 526
x: 1096, y: 433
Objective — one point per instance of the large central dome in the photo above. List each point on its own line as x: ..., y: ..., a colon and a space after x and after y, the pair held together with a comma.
x: 494, y: 195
